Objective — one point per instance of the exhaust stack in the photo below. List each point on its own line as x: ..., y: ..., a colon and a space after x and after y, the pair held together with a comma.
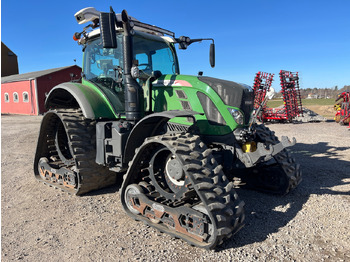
x: 134, y: 109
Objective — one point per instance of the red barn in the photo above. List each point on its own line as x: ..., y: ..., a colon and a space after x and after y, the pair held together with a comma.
x: 26, y: 93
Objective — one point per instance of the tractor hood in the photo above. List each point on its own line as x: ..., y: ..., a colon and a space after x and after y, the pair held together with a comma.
x: 232, y: 93
x: 214, y: 96
x: 227, y: 90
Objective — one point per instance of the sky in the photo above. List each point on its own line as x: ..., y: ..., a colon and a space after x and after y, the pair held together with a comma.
x: 310, y: 37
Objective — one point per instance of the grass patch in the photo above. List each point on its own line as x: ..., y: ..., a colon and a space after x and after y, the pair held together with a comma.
x: 305, y: 102
x: 318, y: 102
x: 274, y: 103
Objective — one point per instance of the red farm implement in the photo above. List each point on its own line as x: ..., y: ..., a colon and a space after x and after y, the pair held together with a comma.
x: 343, y: 108
x: 292, y: 106
x: 262, y: 84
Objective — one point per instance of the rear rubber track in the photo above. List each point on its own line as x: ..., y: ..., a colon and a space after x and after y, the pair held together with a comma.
x: 81, y: 142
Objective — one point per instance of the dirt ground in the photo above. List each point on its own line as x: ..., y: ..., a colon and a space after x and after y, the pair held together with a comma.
x: 323, y: 110
x: 312, y: 223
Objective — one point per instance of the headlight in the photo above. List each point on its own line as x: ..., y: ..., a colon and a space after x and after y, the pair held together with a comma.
x: 237, y: 115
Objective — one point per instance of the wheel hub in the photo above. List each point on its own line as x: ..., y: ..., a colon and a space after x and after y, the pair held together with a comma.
x: 173, y: 170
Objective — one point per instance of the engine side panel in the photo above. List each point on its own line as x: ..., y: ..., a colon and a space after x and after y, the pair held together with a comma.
x: 182, y: 92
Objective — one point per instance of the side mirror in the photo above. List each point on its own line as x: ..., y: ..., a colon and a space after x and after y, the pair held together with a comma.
x: 107, y: 26
x: 212, y: 55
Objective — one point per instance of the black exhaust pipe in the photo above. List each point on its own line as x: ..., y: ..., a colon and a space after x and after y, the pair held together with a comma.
x: 134, y: 97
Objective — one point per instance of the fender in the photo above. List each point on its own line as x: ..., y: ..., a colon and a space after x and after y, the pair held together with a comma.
x: 73, y: 95
x: 149, y: 126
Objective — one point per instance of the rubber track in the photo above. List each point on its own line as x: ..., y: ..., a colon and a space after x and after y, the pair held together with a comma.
x: 284, y: 160
x: 225, y: 209
x: 81, y: 138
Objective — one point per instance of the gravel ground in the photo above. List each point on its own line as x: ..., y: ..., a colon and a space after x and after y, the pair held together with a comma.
x: 312, y: 223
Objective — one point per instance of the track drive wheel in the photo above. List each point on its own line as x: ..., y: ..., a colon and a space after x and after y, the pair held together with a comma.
x: 279, y: 175
x: 66, y: 152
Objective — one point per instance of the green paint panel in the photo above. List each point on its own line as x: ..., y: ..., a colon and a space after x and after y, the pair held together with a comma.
x: 165, y: 97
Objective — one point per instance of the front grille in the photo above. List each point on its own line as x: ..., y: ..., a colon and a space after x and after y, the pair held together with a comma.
x: 247, y: 105
x: 176, y: 127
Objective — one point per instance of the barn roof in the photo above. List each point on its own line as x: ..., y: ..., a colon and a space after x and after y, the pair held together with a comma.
x: 31, y: 75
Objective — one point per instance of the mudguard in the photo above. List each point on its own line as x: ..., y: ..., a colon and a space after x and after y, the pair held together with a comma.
x: 92, y: 101
x: 149, y: 126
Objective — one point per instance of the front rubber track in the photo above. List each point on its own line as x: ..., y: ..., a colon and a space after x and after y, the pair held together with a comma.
x: 215, y: 192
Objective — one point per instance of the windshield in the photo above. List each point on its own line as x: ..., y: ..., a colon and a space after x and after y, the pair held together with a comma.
x: 104, y: 66
x: 154, y: 54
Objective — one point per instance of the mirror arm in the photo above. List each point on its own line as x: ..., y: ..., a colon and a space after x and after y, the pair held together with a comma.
x: 185, y: 41
x: 201, y: 39
x: 188, y: 41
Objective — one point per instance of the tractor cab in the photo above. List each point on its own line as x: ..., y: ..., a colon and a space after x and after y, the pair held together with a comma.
x: 123, y: 56
x: 103, y: 67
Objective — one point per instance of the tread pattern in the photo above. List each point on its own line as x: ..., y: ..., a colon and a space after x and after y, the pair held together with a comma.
x: 215, y: 192
x: 80, y: 132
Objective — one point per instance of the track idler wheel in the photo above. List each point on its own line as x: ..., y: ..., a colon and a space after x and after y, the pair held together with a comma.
x: 175, y: 185
x: 131, y: 201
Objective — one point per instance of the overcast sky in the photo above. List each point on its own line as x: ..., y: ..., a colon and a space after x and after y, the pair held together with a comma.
x: 311, y: 37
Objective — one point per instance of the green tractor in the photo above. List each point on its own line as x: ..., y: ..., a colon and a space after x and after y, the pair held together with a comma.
x: 182, y: 143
